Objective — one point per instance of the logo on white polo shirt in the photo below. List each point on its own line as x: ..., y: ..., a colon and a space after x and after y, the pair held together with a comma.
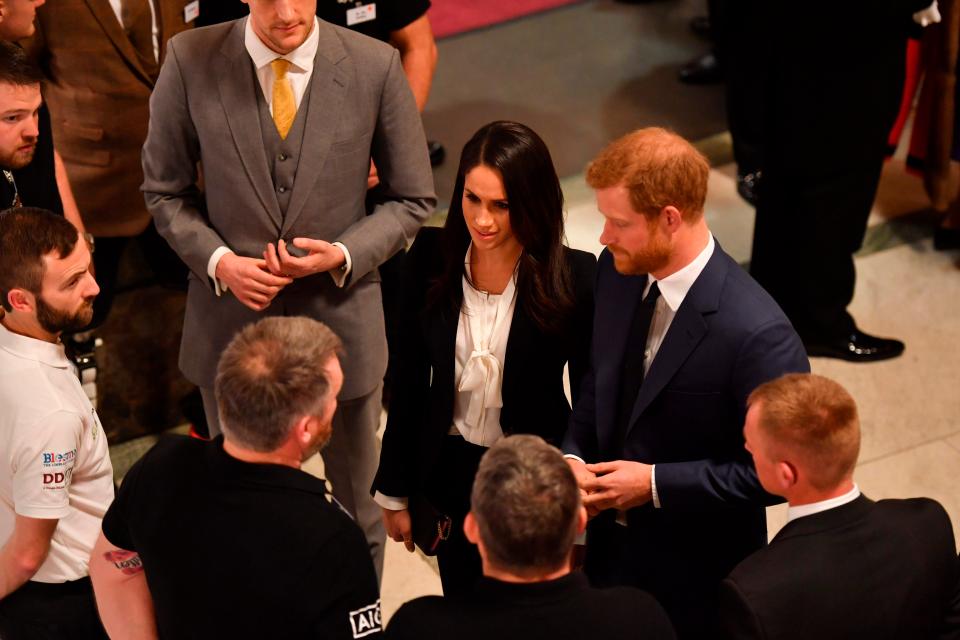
x: 366, y: 620
x: 52, y: 459
x: 57, y: 479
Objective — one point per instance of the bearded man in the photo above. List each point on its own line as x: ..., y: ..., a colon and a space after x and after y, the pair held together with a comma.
x: 681, y: 336
x: 56, y: 481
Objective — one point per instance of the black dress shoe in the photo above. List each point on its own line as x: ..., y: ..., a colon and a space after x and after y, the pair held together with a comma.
x: 945, y: 239
x: 748, y: 185
x: 700, y: 25
x: 703, y: 70
x: 857, y: 347
x: 437, y: 153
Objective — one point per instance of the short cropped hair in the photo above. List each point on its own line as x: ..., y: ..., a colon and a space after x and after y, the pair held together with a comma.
x: 27, y: 234
x: 270, y: 375
x: 658, y: 168
x: 815, y: 419
x: 16, y: 67
x: 525, y: 501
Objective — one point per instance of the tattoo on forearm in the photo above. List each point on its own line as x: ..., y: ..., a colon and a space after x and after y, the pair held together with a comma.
x: 127, y: 562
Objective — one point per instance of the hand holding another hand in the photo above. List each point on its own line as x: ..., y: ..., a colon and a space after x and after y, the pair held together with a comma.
x: 249, y: 280
x: 619, y: 484
x: 322, y: 256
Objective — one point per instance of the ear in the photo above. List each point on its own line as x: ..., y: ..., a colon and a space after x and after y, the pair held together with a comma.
x: 471, y: 529
x: 304, y: 430
x: 581, y: 519
x: 786, y: 475
x: 671, y: 218
x: 21, y: 300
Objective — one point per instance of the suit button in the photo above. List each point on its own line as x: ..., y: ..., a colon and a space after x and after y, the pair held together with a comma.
x: 282, y: 189
x: 282, y: 157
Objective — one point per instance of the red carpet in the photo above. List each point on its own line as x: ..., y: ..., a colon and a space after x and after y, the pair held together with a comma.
x: 450, y: 17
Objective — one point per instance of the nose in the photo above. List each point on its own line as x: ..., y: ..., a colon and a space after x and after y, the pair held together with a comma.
x: 284, y: 10
x: 31, y: 130
x: 93, y: 288
x: 484, y: 219
x: 606, y: 236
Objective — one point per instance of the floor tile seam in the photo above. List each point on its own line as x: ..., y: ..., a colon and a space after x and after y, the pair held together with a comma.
x: 944, y: 439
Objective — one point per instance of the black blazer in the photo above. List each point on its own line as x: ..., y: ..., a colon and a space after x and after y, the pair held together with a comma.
x: 872, y: 570
x: 421, y: 407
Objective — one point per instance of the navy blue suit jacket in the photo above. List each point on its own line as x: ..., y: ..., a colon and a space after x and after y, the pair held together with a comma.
x: 727, y: 337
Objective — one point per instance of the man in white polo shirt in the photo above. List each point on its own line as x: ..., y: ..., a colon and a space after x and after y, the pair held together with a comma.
x: 56, y: 481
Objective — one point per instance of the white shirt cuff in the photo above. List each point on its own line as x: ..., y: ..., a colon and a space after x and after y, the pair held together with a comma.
x: 653, y: 486
x: 390, y: 502
x: 340, y: 275
x: 930, y: 15
x: 573, y: 457
x: 218, y: 287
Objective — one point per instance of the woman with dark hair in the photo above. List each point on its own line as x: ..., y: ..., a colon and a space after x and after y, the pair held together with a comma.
x: 494, y: 307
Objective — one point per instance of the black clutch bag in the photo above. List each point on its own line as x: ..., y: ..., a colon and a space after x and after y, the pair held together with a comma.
x: 429, y: 526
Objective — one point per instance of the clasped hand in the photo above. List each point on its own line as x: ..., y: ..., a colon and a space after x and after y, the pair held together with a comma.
x: 619, y: 484
x: 322, y: 256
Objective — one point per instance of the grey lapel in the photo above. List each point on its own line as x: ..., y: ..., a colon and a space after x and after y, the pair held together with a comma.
x: 328, y: 86
x: 686, y: 331
x: 238, y: 96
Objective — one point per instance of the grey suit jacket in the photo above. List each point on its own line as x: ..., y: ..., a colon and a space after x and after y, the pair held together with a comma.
x: 204, y: 109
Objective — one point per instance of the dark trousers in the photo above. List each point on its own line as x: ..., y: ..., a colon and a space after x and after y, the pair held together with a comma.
x: 449, y: 492
x: 614, y: 559
x: 738, y: 37
x: 40, y: 611
x: 807, y: 230
x: 160, y: 264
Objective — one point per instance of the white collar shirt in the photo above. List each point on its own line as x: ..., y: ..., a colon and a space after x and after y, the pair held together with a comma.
x: 673, y: 291
x: 117, y: 6
x: 803, y: 510
x: 54, y: 462
x: 301, y: 62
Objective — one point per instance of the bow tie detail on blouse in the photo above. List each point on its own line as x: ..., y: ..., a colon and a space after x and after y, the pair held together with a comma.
x: 482, y: 377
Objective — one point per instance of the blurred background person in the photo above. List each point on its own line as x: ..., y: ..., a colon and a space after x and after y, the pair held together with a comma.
x: 828, y: 114
x: 525, y: 513
x: 495, y: 306
x: 56, y: 480
x: 39, y: 180
x: 100, y: 114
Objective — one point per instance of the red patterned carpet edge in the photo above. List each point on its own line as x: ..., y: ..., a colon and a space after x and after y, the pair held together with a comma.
x: 451, y: 17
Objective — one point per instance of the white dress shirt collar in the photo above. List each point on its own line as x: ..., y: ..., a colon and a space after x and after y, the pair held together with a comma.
x: 674, y: 288
x: 816, y: 507
x: 302, y: 57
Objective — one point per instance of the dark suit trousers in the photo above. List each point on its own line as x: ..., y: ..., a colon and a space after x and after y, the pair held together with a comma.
x: 613, y: 560
x: 448, y: 490
x: 157, y: 264
x: 807, y: 230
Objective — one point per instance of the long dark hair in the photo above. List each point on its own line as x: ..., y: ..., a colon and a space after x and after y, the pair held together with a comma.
x: 544, y: 284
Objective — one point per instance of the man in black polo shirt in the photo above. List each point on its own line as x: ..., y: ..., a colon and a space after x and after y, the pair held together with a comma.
x: 229, y: 538
x: 525, y: 513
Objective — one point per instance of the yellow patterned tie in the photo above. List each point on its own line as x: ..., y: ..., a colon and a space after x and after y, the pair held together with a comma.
x: 284, y: 104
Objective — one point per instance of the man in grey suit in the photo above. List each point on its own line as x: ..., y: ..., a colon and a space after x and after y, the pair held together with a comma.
x: 284, y: 112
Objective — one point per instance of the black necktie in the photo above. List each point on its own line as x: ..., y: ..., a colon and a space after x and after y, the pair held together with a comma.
x: 631, y: 375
